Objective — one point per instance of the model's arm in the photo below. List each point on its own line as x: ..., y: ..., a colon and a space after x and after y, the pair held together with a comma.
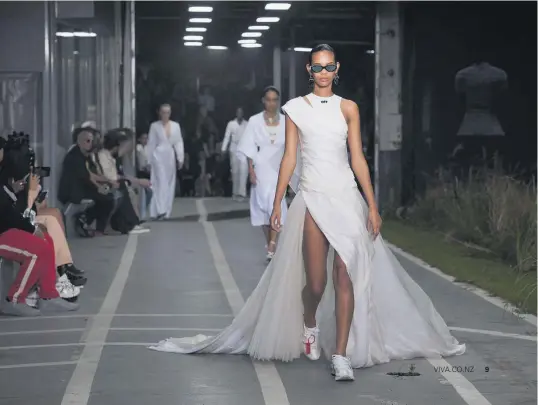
x: 152, y: 142
x: 289, y: 160
x: 227, y: 136
x: 358, y: 161
x: 179, y: 148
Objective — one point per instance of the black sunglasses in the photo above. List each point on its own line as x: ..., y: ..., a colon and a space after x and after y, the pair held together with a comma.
x: 318, y: 68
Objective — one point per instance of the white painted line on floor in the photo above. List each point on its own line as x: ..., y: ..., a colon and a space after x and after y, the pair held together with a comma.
x: 53, y: 345
x: 498, y: 302
x: 49, y: 364
x: 79, y: 386
x: 271, y: 384
x: 494, y: 333
x: 82, y: 316
x: 38, y: 332
x: 462, y: 385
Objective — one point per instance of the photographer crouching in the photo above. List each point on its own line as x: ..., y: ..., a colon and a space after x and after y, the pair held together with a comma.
x: 26, y: 242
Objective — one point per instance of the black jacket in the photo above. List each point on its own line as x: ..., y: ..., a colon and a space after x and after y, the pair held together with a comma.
x: 75, y: 183
x: 10, y: 216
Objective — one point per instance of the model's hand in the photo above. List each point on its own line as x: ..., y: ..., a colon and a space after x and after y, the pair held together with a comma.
x: 252, y: 177
x: 275, y: 218
x: 374, y: 222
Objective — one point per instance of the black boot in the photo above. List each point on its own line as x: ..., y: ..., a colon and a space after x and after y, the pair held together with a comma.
x: 75, y: 276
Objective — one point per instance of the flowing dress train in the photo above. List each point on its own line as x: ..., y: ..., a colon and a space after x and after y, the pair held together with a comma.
x: 393, y: 317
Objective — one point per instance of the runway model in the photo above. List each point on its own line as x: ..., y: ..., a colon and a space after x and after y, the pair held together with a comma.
x: 333, y: 285
x: 165, y: 154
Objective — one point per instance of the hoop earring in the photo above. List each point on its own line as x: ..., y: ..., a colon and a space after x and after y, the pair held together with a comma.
x: 311, y: 81
x: 336, y: 79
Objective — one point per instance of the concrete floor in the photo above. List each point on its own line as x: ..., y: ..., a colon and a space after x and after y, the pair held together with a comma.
x: 144, y: 288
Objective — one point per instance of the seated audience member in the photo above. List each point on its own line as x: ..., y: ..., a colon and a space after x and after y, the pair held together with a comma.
x: 124, y: 218
x: 78, y: 182
x: 187, y: 176
x: 13, y: 166
x: 30, y: 246
x: 52, y: 220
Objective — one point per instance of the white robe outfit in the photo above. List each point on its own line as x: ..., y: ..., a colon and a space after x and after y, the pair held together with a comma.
x: 393, y: 316
x: 257, y: 145
x: 238, y: 162
x: 162, y: 152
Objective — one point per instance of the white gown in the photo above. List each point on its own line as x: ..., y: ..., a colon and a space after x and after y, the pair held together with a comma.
x: 257, y: 145
x: 162, y: 152
x: 393, y: 317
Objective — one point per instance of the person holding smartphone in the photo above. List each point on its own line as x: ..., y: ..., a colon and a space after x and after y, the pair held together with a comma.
x: 27, y: 243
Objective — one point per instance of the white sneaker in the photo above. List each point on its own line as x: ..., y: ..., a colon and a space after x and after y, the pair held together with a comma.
x: 270, y: 256
x: 139, y: 229
x: 311, y: 344
x: 66, y: 289
x: 32, y: 298
x: 341, y: 368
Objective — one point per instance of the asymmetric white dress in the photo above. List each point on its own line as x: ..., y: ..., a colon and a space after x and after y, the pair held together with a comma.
x: 393, y: 318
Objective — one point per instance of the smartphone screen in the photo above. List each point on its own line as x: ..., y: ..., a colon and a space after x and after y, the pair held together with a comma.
x: 41, y: 196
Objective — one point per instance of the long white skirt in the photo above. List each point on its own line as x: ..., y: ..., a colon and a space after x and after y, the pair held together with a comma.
x: 393, y: 318
x: 163, y: 181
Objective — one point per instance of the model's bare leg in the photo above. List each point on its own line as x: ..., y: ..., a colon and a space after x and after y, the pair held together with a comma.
x: 341, y: 365
x: 345, y: 304
x: 315, y: 248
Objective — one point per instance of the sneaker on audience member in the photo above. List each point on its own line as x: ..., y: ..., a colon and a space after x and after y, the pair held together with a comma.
x: 139, y: 229
x: 65, y: 288
x: 32, y: 298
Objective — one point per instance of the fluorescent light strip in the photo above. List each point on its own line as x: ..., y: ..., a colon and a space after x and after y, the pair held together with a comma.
x: 200, y: 9
x: 251, y: 34
x: 196, y: 29
x: 200, y: 20
x: 217, y: 47
x: 80, y: 34
x: 267, y: 19
x: 193, y: 38
x: 277, y: 6
x: 246, y: 41
x: 193, y: 44
x: 251, y: 45
x: 299, y: 49
x: 258, y: 27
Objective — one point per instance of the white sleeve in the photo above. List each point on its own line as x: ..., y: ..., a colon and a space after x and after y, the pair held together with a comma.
x: 227, y: 136
x: 247, y: 144
x: 179, y: 148
x: 152, y: 143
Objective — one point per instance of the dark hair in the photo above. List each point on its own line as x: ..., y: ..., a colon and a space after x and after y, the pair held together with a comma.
x: 270, y: 88
x: 321, y: 48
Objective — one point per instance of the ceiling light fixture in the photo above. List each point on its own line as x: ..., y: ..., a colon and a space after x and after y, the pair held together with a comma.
x: 251, y: 45
x: 300, y: 49
x: 193, y: 38
x: 267, y: 19
x: 258, y: 27
x: 200, y: 20
x: 251, y: 34
x: 370, y: 51
x: 196, y: 29
x: 217, y: 47
x: 193, y: 44
x: 246, y: 41
x: 65, y: 34
x: 200, y: 9
x: 278, y: 6
x: 82, y: 34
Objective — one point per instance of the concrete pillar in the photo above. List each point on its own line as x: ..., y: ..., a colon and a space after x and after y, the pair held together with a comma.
x: 292, y: 81
x: 388, y: 116
x: 50, y: 106
x: 129, y: 67
x: 277, y: 68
